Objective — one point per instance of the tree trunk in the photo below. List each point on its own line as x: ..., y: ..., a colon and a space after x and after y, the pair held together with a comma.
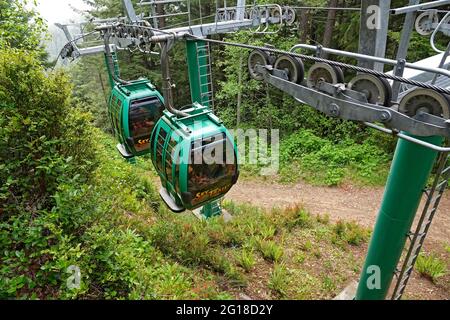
x: 331, y: 21
x: 303, y: 25
x: 160, y: 11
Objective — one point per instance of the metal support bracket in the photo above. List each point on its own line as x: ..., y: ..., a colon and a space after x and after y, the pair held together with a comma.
x: 336, y: 101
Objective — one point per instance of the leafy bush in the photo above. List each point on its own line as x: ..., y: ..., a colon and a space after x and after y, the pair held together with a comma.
x: 45, y: 143
x: 279, y: 279
x: 43, y: 140
x: 350, y: 232
x: 270, y: 250
x: 431, y: 266
x: 318, y: 160
x: 246, y: 259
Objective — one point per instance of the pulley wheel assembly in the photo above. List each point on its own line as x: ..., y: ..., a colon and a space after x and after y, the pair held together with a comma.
x: 425, y: 100
x: 324, y: 72
x: 377, y: 90
x: 424, y: 23
x: 292, y: 66
x: 257, y: 57
x: 289, y: 15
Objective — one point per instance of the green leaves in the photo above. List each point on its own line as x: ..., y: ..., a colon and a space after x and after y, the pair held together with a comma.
x: 323, y: 162
x: 20, y: 27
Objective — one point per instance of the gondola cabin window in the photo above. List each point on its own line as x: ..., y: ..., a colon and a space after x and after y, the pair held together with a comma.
x: 143, y: 116
x: 115, y: 115
x: 170, y: 156
x: 161, y: 140
x: 212, y: 168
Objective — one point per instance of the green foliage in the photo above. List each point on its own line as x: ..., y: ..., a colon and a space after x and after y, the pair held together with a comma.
x: 431, y: 266
x: 447, y: 248
x: 318, y: 160
x: 270, y: 250
x: 323, y: 219
x: 246, y: 259
x: 44, y: 141
x: 92, y: 92
x: 350, y: 232
x: 279, y: 280
x: 20, y: 27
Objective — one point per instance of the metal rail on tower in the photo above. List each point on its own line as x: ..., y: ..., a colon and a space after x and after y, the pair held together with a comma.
x: 433, y: 196
x: 165, y: 9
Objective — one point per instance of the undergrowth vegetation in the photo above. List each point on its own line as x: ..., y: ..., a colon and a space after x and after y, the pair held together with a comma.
x: 431, y: 266
x: 320, y: 161
x: 306, y: 156
x: 70, y: 204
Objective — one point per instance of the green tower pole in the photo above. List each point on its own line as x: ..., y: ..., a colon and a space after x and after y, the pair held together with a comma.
x: 409, y: 173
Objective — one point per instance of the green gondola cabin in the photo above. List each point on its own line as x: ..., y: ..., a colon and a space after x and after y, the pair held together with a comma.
x: 134, y: 110
x: 195, y: 157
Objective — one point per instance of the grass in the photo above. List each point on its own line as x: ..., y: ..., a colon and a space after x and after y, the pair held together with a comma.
x: 128, y: 246
x: 431, y: 266
x: 447, y: 248
x: 279, y: 280
x: 320, y: 161
x: 270, y: 250
x: 259, y: 251
x: 350, y: 232
x: 246, y: 259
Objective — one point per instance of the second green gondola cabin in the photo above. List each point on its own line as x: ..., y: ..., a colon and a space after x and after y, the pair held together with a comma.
x: 134, y: 110
x: 195, y: 157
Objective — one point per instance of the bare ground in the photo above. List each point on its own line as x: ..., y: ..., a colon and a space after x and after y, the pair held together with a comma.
x: 348, y: 202
x: 360, y: 204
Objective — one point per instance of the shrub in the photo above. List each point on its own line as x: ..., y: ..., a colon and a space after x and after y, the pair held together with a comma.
x: 246, y: 259
x: 270, y: 250
x: 44, y: 140
x: 431, y: 266
x: 279, y: 280
x: 320, y: 160
x: 350, y: 232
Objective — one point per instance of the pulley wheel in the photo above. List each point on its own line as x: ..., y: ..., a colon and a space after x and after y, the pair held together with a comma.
x: 147, y: 34
x: 424, y: 23
x: 257, y: 57
x: 221, y: 16
x: 130, y: 32
x: 275, y: 13
x: 231, y: 15
x: 375, y: 89
x: 293, y: 67
x: 118, y: 32
x: 339, y: 73
x: 323, y: 72
x: 425, y: 100
x: 264, y: 13
x: 289, y: 15
x: 253, y: 14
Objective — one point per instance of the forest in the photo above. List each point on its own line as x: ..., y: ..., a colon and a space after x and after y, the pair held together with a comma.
x: 67, y: 197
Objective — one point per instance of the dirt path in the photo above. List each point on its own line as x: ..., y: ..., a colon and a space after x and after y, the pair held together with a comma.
x: 347, y: 203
